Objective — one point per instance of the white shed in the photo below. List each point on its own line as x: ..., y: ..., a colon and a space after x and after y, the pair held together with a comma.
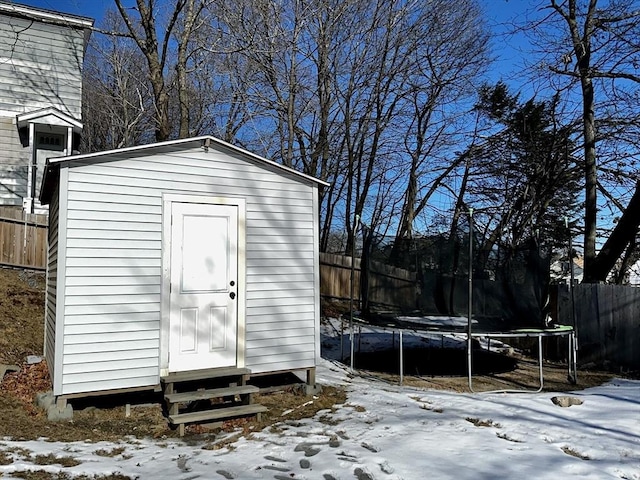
x: 181, y: 256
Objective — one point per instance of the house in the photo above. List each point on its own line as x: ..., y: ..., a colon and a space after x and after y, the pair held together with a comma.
x: 41, y: 56
x: 178, y: 257
x: 561, y: 270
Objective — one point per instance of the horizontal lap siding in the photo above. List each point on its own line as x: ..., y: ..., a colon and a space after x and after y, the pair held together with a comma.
x: 40, y: 66
x: 52, y: 281
x: 113, y: 256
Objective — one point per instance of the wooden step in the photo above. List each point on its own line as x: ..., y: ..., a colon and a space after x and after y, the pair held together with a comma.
x: 211, y: 393
x: 217, y: 414
x: 191, y: 375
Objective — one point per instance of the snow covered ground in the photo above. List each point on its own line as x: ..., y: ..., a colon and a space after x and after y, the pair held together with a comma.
x: 391, y: 432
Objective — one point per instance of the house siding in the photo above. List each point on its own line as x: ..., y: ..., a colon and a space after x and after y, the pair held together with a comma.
x: 13, y: 167
x: 40, y: 67
x: 114, y: 260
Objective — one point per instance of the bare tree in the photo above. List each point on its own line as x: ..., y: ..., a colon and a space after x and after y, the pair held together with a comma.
x: 450, y: 54
x: 154, y: 41
x: 117, y: 101
x: 594, y: 46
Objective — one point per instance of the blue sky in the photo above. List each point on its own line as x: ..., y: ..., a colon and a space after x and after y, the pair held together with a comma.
x: 506, y: 49
x: 86, y: 8
x: 498, y: 10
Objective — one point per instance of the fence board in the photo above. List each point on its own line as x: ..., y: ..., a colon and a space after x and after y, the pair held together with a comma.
x: 388, y: 286
x: 606, y: 320
x: 23, y: 239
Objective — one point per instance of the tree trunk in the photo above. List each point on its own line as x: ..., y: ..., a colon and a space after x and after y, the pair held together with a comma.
x: 591, y: 178
x: 623, y: 234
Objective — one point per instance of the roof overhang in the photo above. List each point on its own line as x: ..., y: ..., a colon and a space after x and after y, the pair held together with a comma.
x: 46, y: 16
x: 205, y: 142
x: 49, y: 116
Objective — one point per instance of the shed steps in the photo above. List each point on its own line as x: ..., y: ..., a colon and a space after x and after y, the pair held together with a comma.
x: 207, y: 374
x: 217, y: 414
x: 209, y: 395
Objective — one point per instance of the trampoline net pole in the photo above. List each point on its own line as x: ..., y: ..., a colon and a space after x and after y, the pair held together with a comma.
x: 351, y: 286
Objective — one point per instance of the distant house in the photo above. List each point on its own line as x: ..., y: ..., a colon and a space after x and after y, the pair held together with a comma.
x: 561, y: 270
x: 41, y: 56
x: 634, y: 274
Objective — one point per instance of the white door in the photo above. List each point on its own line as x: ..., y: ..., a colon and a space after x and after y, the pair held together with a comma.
x: 204, y: 276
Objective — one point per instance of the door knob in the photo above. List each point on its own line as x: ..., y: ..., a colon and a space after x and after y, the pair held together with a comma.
x: 232, y: 295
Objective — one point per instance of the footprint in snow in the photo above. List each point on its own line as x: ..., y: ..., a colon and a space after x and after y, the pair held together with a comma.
x: 225, y: 474
x: 308, y: 449
x: 274, y: 459
x: 182, y: 463
x: 386, y: 468
x: 362, y: 474
x: 275, y: 468
x: 370, y: 447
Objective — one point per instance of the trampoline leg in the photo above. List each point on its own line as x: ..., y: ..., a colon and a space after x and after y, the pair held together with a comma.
x: 572, y: 359
x: 540, y: 363
x: 352, y: 339
x: 469, y: 362
x: 401, y: 359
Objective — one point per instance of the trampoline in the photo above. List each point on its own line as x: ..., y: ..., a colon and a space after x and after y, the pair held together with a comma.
x: 505, y: 296
x: 472, y: 330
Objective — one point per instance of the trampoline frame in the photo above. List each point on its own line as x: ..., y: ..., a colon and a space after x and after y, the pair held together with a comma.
x: 539, y: 334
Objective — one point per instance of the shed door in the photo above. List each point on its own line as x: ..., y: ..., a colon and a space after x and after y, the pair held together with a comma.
x: 204, y: 276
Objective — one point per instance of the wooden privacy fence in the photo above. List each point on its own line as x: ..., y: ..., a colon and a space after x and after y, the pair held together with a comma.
x: 23, y: 239
x: 608, y: 322
x: 388, y: 286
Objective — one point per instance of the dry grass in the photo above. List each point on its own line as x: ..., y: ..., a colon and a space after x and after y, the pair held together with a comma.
x: 483, y: 423
x: 21, y: 315
x: 98, y: 419
x: 574, y: 453
x: 44, y: 475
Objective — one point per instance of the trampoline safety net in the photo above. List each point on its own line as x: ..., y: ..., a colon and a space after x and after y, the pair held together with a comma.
x: 510, y: 285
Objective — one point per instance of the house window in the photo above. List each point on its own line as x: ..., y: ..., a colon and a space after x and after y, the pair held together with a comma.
x: 50, y: 141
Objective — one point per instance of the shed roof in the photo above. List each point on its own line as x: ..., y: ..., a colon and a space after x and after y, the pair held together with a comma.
x: 46, y: 16
x: 206, y: 141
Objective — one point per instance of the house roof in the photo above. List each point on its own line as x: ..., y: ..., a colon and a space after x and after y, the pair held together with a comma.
x: 49, y: 116
x: 205, y: 142
x: 45, y: 16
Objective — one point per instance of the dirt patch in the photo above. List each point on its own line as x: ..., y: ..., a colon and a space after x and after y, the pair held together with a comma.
x: 21, y: 315
x: 447, y: 369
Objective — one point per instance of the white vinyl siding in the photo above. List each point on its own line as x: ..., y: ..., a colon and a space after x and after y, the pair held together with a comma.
x: 40, y: 66
x: 13, y: 164
x: 52, y: 285
x: 114, y: 260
